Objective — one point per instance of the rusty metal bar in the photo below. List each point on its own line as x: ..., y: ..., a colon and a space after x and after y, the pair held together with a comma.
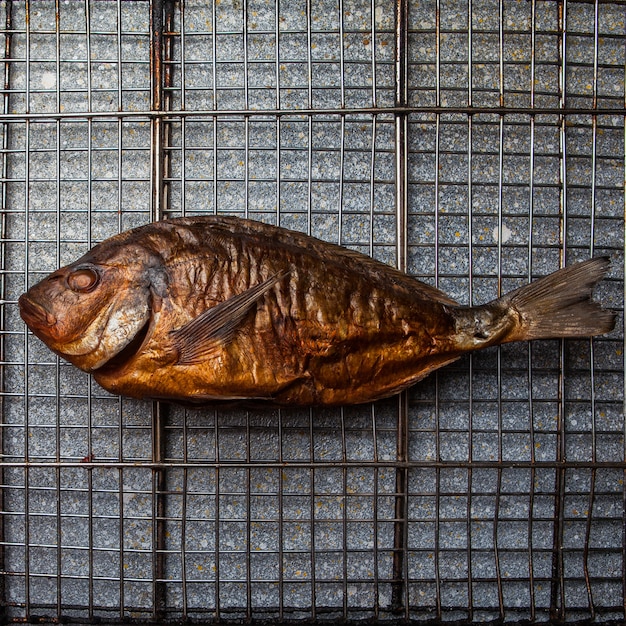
x: 161, y: 19
x: 399, y: 599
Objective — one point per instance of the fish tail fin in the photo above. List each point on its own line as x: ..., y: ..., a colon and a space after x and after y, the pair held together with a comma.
x: 560, y: 304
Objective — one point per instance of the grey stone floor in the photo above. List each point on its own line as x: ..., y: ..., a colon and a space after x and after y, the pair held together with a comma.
x: 516, y: 455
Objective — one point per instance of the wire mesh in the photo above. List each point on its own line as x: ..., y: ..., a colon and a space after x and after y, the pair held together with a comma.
x: 476, y: 144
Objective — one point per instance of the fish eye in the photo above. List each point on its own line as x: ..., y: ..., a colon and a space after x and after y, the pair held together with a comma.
x: 83, y: 279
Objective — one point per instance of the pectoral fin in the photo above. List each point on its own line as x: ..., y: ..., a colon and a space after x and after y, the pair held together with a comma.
x: 205, y: 335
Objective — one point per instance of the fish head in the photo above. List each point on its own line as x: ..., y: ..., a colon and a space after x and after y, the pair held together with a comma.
x: 89, y: 311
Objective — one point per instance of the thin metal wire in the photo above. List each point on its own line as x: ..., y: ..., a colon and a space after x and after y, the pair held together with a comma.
x: 592, y: 384
x: 530, y: 392
x: 27, y: 534
x: 623, y: 524
x: 3, y: 287
x: 557, y: 592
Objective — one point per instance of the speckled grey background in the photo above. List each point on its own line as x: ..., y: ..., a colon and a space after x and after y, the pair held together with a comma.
x: 516, y: 455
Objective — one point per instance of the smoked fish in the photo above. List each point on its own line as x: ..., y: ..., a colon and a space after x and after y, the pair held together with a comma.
x: 222, y: 309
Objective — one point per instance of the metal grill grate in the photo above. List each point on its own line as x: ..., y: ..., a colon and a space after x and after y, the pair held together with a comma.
x: 476, y: 144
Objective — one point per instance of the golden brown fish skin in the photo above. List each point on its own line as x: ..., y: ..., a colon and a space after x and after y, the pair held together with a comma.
x: 214, y: 308
x: 324, y: 335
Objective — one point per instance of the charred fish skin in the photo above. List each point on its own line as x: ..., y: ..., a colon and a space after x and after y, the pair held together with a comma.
x: 227, y: 309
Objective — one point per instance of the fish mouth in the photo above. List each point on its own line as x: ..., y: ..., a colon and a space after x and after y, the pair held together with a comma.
x: 34, y: 314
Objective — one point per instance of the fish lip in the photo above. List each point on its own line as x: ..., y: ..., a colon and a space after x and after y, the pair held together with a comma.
x: 34, y: 313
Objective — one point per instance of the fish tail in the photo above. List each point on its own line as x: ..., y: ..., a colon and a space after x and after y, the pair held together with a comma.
x: 558, y: 305
x: 561, y: 304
